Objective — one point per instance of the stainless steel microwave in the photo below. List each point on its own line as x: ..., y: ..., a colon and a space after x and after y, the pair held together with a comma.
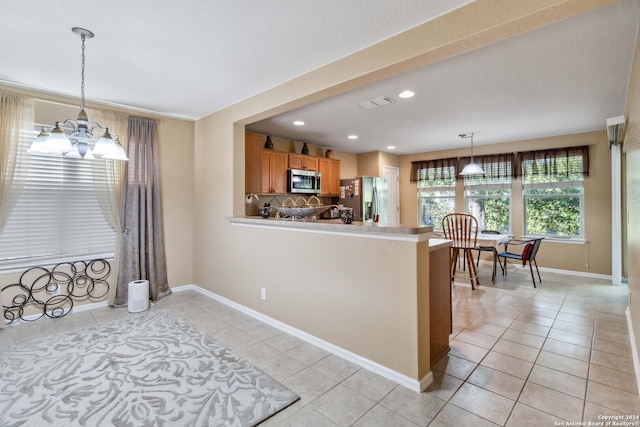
x: 302, y: 181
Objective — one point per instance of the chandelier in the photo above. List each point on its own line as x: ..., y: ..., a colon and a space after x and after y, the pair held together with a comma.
x: 71, y: 138
x: 472, y: 168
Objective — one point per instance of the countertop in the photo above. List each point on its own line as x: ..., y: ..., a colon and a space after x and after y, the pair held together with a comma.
x: 336, y: 225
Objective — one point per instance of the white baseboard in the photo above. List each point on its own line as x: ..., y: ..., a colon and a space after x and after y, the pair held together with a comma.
x: 410, y: 383
x: 634, y: 348
x: 552, y: 270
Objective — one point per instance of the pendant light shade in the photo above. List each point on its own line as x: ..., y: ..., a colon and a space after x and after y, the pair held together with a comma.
x: 80, y: 150
x: 38, y: 146
x: 57, y: 141
x: 472, y: 168
x: 108, y: 147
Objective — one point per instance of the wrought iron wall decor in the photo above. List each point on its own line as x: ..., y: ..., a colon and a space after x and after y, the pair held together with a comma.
x: 41, y: 292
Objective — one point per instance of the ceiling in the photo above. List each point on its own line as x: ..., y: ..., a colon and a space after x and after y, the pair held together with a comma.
x: 191, y: 58
x: 561, y: 79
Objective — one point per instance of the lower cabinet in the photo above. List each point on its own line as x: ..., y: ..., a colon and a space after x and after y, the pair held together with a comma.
x: 440, y: 316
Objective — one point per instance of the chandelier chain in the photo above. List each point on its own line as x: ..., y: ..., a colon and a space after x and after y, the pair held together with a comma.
x: 82, y: 75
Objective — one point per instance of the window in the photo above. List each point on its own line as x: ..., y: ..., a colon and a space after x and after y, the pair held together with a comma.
x: 57, y: 216
x: 553, y: 191
x: 488, y: 196
x: 490, y: 202
x: 434, y: 203
x: 436, y: 189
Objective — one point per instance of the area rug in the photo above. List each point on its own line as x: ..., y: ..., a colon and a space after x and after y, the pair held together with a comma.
x: 151, y: 369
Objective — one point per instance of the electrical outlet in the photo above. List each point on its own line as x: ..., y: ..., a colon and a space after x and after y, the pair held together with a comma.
x: 263, y: 294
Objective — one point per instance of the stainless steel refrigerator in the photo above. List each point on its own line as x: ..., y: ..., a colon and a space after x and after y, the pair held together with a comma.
x: 367, y: 196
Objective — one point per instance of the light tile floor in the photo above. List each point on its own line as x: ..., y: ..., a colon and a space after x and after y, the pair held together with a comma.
x: 519, y: 357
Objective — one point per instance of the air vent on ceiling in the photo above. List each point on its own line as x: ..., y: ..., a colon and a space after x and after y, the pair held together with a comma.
x: 375, y: 102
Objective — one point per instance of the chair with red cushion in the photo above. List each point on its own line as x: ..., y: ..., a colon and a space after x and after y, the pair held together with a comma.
x: 529, y: 251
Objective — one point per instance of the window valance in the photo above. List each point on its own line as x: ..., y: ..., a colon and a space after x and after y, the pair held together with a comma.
x: 495, y: 166
x: 555, y: 161
x: 551, y: 162
x: 428, y: 170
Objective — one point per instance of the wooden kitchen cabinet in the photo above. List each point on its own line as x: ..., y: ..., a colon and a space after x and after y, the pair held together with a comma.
x: 440, y: 313
x: 265, y: 170
x: 329, y: 177
x: 301, y: 161
x: 274, y: 172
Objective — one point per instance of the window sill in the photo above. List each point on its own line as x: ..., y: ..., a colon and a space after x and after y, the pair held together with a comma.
x: 566, y: 240
x: 15, y: 267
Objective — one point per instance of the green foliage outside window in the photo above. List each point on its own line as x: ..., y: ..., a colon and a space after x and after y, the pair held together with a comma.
x: 434, y: 205
x: 553, y: 212
x: 553, y: 203
x: 491, y: 211
x: 436, y: 196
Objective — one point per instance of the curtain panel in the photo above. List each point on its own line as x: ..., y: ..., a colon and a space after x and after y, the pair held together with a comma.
x: 141, y: 253
x: 495, y: 166
x: 429, y: 170
x: 16, y: 122
x: 554, y: 162
x: 110, y: 172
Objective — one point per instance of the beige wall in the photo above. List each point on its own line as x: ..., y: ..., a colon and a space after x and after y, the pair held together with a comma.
x: 591, y: 257
x: 366, y: 299
x: 176, y: 152
x: 225, y: 255
x: 631, y: 148
x: 371, y: 164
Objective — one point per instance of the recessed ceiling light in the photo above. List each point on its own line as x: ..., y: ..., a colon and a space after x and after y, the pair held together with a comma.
x: 406, y: 94
x: 391, y: 147
x: 353, y: 137
x: 298, y: 123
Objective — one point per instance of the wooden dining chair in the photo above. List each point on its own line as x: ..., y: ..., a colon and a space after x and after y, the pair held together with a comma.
x: 462, y: 229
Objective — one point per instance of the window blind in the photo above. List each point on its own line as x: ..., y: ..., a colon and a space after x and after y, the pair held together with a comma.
x: 57, y: 216
x: 430, y: 170
x: 496, y: 167
x: 555, y: 162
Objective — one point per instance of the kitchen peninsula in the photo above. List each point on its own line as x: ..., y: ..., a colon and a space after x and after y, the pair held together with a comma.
x: 378, y: 295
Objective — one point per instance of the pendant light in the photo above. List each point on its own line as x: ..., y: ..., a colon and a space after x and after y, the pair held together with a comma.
x: 472, y: 168
x: 54, y: 141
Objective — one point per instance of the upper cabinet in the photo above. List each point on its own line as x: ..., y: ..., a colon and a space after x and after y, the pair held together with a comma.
x: 301, y: 161
x: 329, y: 176
x: 274, y: 172
x: 265, y: 170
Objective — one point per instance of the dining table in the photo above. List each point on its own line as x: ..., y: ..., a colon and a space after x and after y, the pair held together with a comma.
x: 494, y: 241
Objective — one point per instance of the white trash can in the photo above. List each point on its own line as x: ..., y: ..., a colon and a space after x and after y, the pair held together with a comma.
x: 138, y: 296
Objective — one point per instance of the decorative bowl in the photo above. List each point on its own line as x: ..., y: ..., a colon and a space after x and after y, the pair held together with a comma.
x: 302, y: 212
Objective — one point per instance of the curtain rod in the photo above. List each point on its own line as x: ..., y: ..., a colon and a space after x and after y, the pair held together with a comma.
x: 157, y: 119
x: 36, y: 94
